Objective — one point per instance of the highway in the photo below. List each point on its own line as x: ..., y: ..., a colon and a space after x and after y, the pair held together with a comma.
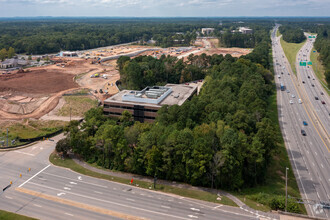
x: 308, y: 154
x: 50, y: 192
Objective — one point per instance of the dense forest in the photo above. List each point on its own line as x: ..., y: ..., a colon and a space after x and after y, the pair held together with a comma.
x: 292, y: 34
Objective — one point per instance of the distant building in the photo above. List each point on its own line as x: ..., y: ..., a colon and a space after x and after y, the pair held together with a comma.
x: 245, y: 30
x: 13, y: 63
x: 68, y: 54
x: 144, y: 104
x: 207, y: 31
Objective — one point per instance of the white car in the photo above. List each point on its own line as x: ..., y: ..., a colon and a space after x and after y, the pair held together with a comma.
x: 279, y: 76
x: 291, y: 102
x: 299, y: 101
x: 293, y: 96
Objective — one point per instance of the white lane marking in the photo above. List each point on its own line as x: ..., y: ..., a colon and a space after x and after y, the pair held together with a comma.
x: 59, y: 194
x: 194, y: 209
x: 313, y: 164
x: 322, y: 165
x: 37, y: 205
x: 114, y: 188
x: 8, y: 197
x: 33, y: 176
x: 165, y: 207
x: 130, y: 199
x: 21, y: 152
x: 73, y: 179
x: 192, y: 216
x: 68, y: 214
x: 42, y: 179
x: 79, y: 178
x: 67, y: 188
x: 150, y: 196
x: 98, y: 192
x: 218, y: 207
x: 315, y: 153
x: 73, y: 183
x: 115, y: 203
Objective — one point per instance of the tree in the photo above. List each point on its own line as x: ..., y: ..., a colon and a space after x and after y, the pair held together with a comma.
x: 63, y: 146
x: 3, y: 54
x: 11, y: 52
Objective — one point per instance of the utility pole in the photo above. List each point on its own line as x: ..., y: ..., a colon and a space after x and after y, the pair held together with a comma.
x: 286, y: 188
x: 70, y: 113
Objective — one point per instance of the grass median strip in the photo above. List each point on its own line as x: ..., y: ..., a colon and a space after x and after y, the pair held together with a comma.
x: 291, y: 50
x: 318, y: 68
x: 195, y: 194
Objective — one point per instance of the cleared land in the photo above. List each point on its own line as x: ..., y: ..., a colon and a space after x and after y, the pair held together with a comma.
x: 291, y: 50
x: 78, y: 105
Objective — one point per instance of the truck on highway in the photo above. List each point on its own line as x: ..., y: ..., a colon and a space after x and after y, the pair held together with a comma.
x: 282, y: 87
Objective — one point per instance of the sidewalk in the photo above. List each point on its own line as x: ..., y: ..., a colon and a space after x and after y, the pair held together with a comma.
x: 178, y: 185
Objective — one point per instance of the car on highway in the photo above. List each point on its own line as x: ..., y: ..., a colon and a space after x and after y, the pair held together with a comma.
x: 323, y: 102
x: 288, y: 91
x: 316, y: 98
x: 308, y: 77
x: 303, y: 81
x: 291, y: 102
x: 303, y: 132
x: 305, y: 123
x: 279, y: 76
x: 299, y: 101
x: 322, y: 93
x: 293, y: 96
x: 312, y: 85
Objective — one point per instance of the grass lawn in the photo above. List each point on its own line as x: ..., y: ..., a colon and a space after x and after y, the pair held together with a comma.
x: 78, y: 104
x: 259, y: 197
x: 318, y: 68
x: 195, y: 194
x: 278, y: 33
x: 29, y: 128
x: 9, y: 215
x: 291, y: 50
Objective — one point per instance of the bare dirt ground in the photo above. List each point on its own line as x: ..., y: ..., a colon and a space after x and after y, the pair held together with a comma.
x: 37, y: 91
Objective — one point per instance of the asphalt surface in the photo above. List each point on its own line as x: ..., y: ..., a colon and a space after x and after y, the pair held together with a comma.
x: 50, y: 192
x: 309, y: 155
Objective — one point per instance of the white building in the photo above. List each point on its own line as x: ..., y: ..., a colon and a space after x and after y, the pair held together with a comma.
x: 245, y: 30
x: 207, y: 31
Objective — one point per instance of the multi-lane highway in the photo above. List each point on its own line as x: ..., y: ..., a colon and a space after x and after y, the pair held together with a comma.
x: 302, y: 132
x: 50, y: 192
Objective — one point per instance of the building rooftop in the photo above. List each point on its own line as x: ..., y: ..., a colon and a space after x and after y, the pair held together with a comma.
x: 156, y: 96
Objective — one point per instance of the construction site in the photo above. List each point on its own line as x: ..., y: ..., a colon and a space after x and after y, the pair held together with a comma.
x: 37, y: 91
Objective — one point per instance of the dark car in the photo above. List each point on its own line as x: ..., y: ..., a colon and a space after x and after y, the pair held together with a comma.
x: 308, y: 77
x: 312, y: 85
x: 303, y: 81
x: 303, y: 132
x: 316, y: 98
x: 323, y: 102
x: 322, y: 93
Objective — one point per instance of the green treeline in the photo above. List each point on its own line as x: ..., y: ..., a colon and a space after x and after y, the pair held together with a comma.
x: 322, y: 45
x: 10, y: 53
x: 52, y: 35
x: 292, y: 34
x: 144, y: 71
x: 222, y: 137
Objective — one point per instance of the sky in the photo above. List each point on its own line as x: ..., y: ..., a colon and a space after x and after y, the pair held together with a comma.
x: 163, y: 8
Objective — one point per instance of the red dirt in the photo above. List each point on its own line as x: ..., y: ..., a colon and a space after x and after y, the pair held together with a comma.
x: 38, y: 81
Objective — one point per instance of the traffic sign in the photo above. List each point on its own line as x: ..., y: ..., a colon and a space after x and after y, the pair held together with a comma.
x: 310, y: 63
x: 302, y: 63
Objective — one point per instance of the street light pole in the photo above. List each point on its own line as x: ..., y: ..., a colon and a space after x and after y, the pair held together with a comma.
x: 286, y: 188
